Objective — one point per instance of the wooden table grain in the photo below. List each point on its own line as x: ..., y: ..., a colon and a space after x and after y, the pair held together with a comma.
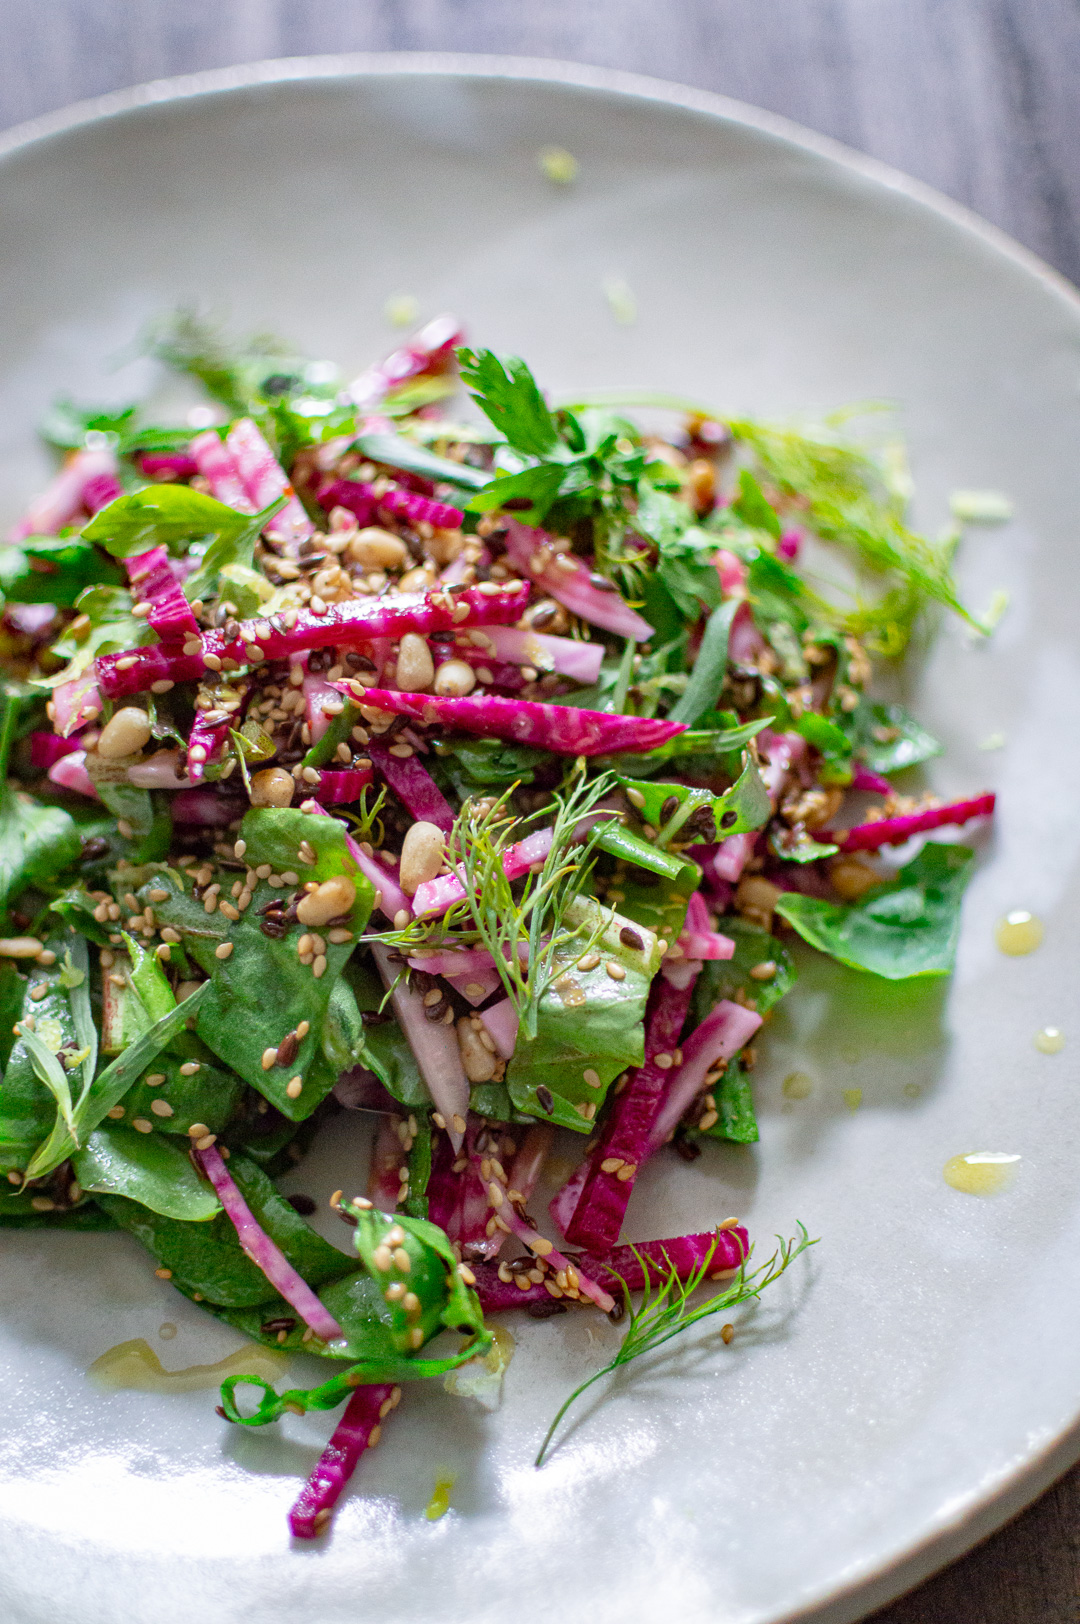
x: 981, y: 98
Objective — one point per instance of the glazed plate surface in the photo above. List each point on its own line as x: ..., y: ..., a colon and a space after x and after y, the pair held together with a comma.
x: 918, y: 1378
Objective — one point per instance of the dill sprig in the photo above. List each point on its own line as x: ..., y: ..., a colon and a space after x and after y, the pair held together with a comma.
x: 665, y: 1310
x: 847, y: 500
x: 501, y: 920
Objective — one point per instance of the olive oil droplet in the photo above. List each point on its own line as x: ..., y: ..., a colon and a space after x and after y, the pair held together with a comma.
x: 439, y: 1504
x: 134, y: 1366
x: 798, y: 1086
x: 853, y: 1098
x: 1018, y: 933
x: 1050, y: 1040
x: 981, y: 1172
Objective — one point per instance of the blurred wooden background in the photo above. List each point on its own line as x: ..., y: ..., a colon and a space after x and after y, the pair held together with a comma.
x: 981, y: 98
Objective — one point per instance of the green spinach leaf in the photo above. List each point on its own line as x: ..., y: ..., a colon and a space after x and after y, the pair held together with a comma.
x: 907, y: 928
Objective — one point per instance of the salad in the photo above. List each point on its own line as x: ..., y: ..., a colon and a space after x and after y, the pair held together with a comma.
x: 472, y: 769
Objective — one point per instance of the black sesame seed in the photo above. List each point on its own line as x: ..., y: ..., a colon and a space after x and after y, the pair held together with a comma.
x: 303, y: 1204
x: 544, y: 1099
x: 545, y: 1310
x: 630, y: 938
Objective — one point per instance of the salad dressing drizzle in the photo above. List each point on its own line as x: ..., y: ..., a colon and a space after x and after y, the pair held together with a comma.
x: 135, y: 1367
x: 981, y: 1172
x: 1018, y: 933
x: 1051, y: 1040
x: 439, y: 1504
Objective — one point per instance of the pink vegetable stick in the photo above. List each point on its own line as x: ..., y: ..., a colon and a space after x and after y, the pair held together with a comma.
x: 358, y: 1429
x: 264, y: 1252
x: 217, y: 465
x: 720, y: 1036
x: 63, y: 499
x: 265, y: 480
x: 572, y: 584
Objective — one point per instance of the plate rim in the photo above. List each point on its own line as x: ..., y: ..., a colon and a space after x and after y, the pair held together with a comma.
x: 986, y: 1512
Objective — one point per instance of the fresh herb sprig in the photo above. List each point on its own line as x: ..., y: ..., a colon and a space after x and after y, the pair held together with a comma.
x: 501, y: 921
x: 665, y: 1310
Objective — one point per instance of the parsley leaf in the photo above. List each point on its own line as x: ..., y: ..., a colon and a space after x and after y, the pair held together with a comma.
x: 507, y: 393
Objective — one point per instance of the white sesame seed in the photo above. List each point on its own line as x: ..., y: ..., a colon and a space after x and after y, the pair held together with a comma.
x: 161, y: 1108
x: 294, y: 1087
x: 141, y: 1125
x: 223, y: 951
x: 189, y: 1068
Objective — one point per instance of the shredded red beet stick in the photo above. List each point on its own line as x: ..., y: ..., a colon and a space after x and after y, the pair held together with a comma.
x: 413, y: 785
x: 508, y: 1219
x: 342, y: 625
x: 565, y: 729
x: 359, y: 1428
x: 623, y: 1146
x: 893, y: 831
x: 684, y: 1253
x: 264, y: 1252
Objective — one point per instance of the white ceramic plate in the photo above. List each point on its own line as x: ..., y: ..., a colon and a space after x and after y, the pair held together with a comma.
x: 921, y: 1379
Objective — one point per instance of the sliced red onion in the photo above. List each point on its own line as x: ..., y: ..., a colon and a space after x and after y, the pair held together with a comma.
x: 76, y: 703
x: 501, y: 1021
x: 788, y: 546
x: 682, y: 973
x: 353, y: 1434
x: 434, y: 1046
x: 565, y: 729
x: 351, y: 624
x: 532, y: 551
x: 447, y: 962
x: 318, y: 693
x: 564, y: 1201
x: 726, y: 1249
x: 413, y: 785
x: 698, y: 940
x: 894, y: 831
x: 162, y: 770
x: 217, y: 465
x: 63, y: 499
x: 435, y: 896
x: 732, y: 857
x: 566, y: 655
x: 265, y: 480
x: 598, y: 1213
x: 478, y: 987
x: 264, y: 1252
x: 70, y: 773
x: 528, y: 1164
x: 719, y: 1037
x: 431, y: 350
x: 781, y: 754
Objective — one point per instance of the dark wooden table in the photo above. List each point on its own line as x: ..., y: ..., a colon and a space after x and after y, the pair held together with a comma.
x: 981, y: 98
